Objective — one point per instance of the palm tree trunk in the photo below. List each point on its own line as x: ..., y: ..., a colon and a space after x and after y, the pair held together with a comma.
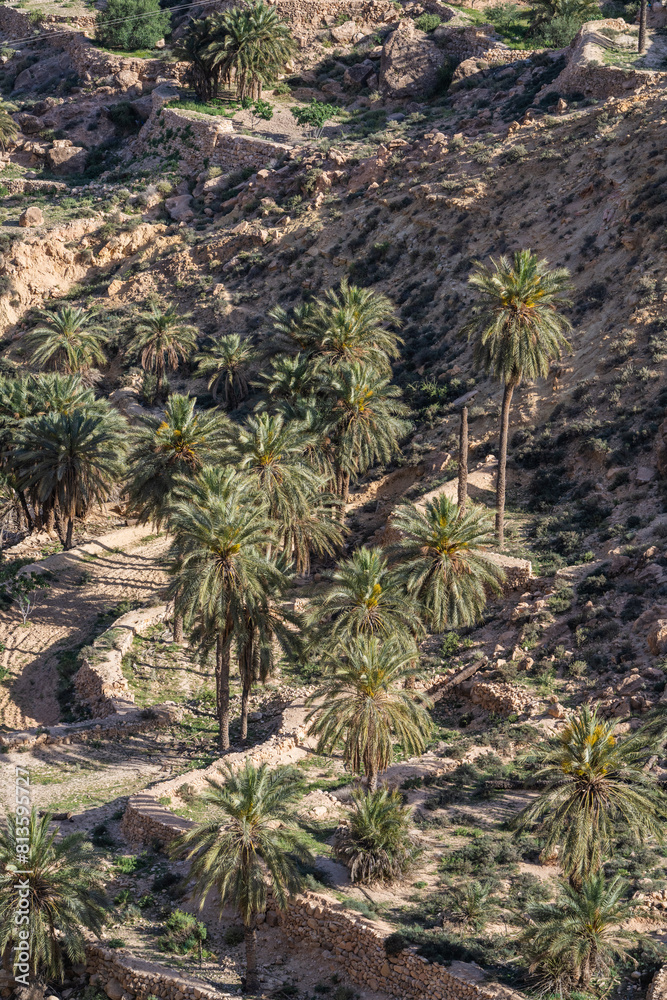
x: 245, y: 702
x: 70, y: 526
x: 502, y: 464
x: 463, y: 461
x: 251, y: 978
x: 346, y: 487
x: 178, y: 628
x: 222, y: 687
x: 372, y: 778
x: 641, y: 46
x: 26, y: 511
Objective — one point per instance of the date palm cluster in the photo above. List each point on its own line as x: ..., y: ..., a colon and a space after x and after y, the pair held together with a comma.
x: 247, y: 46
x: 251, y: 492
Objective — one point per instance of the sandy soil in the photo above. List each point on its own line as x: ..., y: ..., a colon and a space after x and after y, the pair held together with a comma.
x: 87, y: 582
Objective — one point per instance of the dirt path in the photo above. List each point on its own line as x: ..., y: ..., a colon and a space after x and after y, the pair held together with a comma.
x: 87, y: 582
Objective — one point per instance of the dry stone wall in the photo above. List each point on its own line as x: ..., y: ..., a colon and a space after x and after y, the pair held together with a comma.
x: 586, y: 73
x: 658, y: 987
x: 359, y: 946
x: 198, y: 141
x: 124, y: 974
x: 100, y: 683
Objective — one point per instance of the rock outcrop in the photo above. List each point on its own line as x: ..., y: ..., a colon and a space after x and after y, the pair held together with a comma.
x: 410, y: 63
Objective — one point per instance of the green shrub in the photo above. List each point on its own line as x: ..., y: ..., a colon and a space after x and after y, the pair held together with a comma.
x: 578, y: 668
x: 124, y: 117
x: 234, y: 935
x: 183, y: 934
x: 559, y: 32
x: 428, y: 22
x: 132, y: 24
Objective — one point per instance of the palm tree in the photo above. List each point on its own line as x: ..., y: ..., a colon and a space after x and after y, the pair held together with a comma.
x: 226, y: 365
x: 517, y: 333
x: 73, y: 459
x: 162, y: 340
x: 443, y: 563
x: 366, y: 422
x: 365, y: 598
x: 180, y: 442
x: 219, y: 564
x: 66, y: 894
x: 66, y: 340
x: 593, y: 781
x: 193, y: 48
x: 348, y: 325
x: 376, y: 844
x: 345, y: 326
x: 359, y: 705
x: 581, y: 930
x: 251, y: 43
x: 254, y: 847
x: 290, y: 380
x: 273, y: 451
x: 8, y: 128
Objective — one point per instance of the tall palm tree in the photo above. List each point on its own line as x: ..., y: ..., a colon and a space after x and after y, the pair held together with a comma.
x: 517, y: 332
x: 443, y: 563
x: 66, y: 894
x: 72, y: 459
x: 365, y: 598
x: 193, y: 48
x: 366, y: 422
x: 252, y: 44
x: 273, y: 451
x: 65, y: 339
x: 349, y: 325
x: 226, y: 364
x: 359, y: 706
x: 180, y: 442
x: 582, y: 930
x: 344, y: 326
x: 163, y: 339
x: 593, y: 781
x: 255, y: 847
x: 219, y: 564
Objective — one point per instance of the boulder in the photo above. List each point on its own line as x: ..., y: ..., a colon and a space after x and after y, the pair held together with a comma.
x: 43, y: 72
x: 143, y: 106
x: 644, y: 474
x: 114, y: 990
x: 356, y: 76
x: 126, y: 79
x: 180, y: 207
x: 657, y: 637
x: 345, y: 33
x: 31, y: 217
x: 29, y: 124
x: 410, y: 62
x: 64, y: 158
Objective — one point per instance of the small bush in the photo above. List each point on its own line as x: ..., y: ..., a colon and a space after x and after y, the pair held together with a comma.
x: 428, y: 22
x: 234, y: 936
x: 395, y: 944
x: 559, y: 32
x: 183, y: 934
x: 578, y: 668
